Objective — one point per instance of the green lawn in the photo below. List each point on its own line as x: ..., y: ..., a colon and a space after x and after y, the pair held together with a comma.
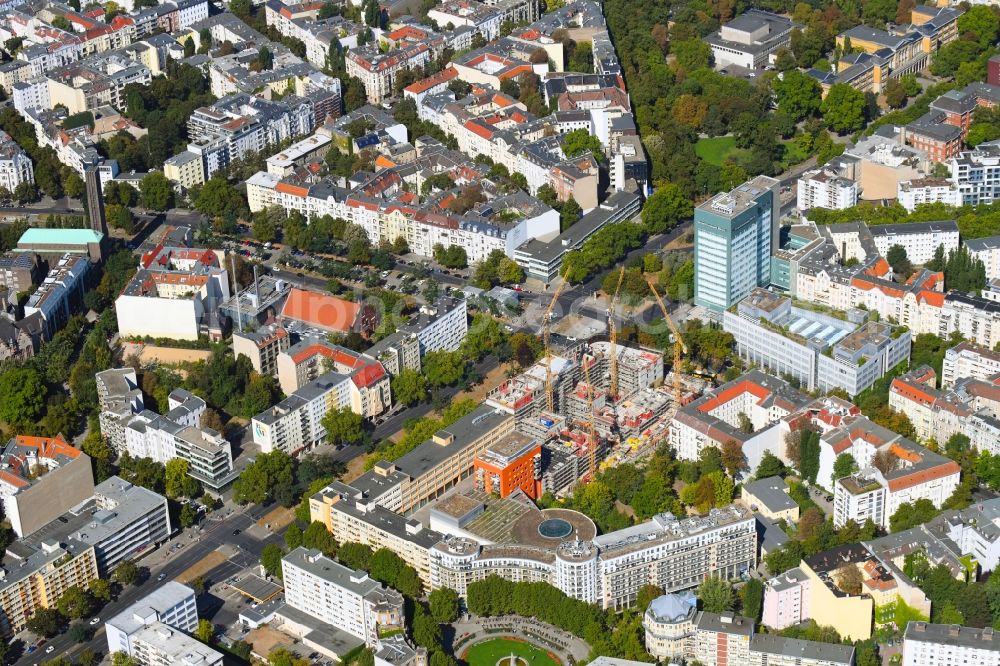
x: 489, y: 652
x: 716, y: 149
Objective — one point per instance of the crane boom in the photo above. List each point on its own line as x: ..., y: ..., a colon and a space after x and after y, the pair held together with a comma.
x: 678, y: 343
x: 545, y: 344
x: 613, y: 329
x: 592, y: 444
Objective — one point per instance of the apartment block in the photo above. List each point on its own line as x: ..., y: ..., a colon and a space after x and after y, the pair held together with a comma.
x: 119, y: 522
x: 172, y: 604
x: 926, y: 644
x: 15, y: 165
x: 440, y: 463
x: 177, y: 434
x: 352, y: 516
x: 40, y: 479
x: 919, y: 239
x: 913, y: 473
x: 262, y: 347
x: 310, y: 357
x: 968, y: 360
x: 157, y: 644
x: 36, y: 576
x: 354, y: 607
x: 824, y: 188
x: 820, y: 350
x: 715, y: 418
x: 294, y: 424
x: 59, y: 293
x: 441, y: 327
x: 19, y: 271
x: 735, y: 234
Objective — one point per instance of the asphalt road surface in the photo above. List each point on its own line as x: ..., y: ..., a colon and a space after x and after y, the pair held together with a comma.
x: 197, y: 544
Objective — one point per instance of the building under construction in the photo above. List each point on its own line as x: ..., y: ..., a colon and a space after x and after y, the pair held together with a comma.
x: 584, y: 409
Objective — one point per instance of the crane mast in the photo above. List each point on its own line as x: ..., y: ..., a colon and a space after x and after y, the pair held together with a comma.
x: 613, y: 337
x: 678, y: 343
x: 592, y: 442
x: 545, y: 344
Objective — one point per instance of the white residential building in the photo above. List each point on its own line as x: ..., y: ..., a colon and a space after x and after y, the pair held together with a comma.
x: 919, y: 239
x: 986, y: 250
x: 820, y: 350
x: 178, y: 434
x: 967, y: 360
x: 294, y: 424
x: 823, y: 188
x: 926, y: 644
x: 913, y: 193
x: 174, y: 294
x: 157, y: 644
x: 915, y: 473
x: 441, y: 327
x: 172, y: 604
x: 349, y: 601
x: 15, y: 165
x: 715, y: 418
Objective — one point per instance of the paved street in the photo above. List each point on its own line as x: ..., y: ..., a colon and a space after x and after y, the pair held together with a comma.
x: 217, y: 531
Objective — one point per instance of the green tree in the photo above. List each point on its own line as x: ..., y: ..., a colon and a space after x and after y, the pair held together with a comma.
x: 178, y: 482
x: 752, y: 598
x: 220, y: 199
x: 665, y: 208
x: 100, y: 589
x: 979, y: 23
x: 896, y: 256
x: 343, y: 426
x: 580, y: 141
x: 270, y: 559
x: 293, y: 536
x: 426, y: 631
x: 75, y: 603
x: 156, y: 191
x: 205, y: 631
x: 844, y: 108
x: 44, y: 622
x: 127, y: 572
x: 317, y: 537
x: 443, y: 368
x: 443, y: 604
x: 770, y: 465
x: 895, y: 94
x: 24, y: 396
x: 409, y: 387
x: 798, y: 95
x: 843, y: 466
x: 716, y: 595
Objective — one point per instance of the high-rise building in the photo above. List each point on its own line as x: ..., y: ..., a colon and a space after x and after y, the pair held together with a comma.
x: 735, y: 234
x: 95, y: 201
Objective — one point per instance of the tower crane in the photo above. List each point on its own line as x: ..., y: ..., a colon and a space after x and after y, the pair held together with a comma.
x: 592, y: 443
x: 545, y: 344
x: 678, y: 343
x: 613, y: 329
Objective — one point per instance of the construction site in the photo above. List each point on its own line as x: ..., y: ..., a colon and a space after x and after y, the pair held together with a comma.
x: 596, y: 404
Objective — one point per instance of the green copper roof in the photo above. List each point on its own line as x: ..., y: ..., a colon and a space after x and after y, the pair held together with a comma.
x: 35, y: 236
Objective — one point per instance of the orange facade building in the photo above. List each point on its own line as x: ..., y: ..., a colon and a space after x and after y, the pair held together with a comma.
x: 512, y: 464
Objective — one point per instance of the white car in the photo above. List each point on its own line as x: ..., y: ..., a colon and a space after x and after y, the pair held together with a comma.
x: 50, y: 649
x: 96, y: 621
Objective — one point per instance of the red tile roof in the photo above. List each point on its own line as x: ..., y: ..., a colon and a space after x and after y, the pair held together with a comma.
x: 321, y: 310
